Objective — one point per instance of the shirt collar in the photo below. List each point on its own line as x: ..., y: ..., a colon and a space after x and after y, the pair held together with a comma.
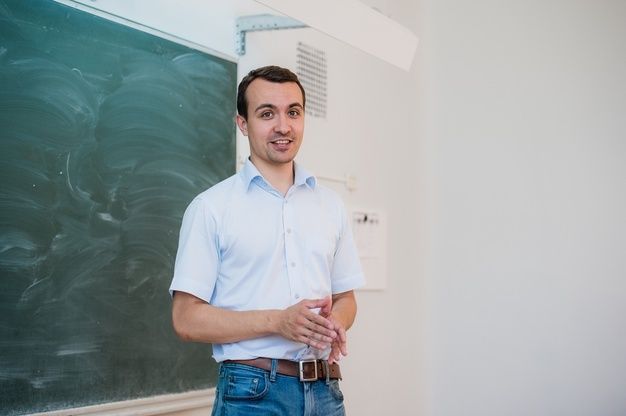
x: 250, y: 173
x: 304, y: 177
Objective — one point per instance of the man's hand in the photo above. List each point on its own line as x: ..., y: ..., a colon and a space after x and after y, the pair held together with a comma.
x: 299, y: 323
x: 341, y: 315
x: 339, y: 346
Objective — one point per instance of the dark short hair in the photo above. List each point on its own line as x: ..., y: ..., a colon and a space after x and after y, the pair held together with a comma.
x: 270, y: 73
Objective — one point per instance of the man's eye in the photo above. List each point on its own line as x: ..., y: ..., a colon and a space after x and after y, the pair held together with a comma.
x: 266, y: 114
x: 294, y: 113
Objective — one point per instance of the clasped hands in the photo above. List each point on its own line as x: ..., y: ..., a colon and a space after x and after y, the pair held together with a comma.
x: 318, y: 330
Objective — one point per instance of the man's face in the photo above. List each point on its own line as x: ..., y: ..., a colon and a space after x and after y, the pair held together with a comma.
x: 275, y: 123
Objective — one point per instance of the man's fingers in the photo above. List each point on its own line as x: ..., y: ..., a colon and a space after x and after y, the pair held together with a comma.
x: 312, y: 320
x: 343, y: 347
x: 322, y: 330
x: 302, y: 324
x: 341, y: 334
x: 327, y: 306
x: 320, y: 321
x: 335, y: 354
x: 321, y: 333
x: 313, y: 342
x: 342, y: 341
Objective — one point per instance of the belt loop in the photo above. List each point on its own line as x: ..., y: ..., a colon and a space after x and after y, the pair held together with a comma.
x: 327, y: 371
x: 273, y: 370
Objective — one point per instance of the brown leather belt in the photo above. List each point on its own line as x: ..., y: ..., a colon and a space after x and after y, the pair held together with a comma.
x: 307, y: 370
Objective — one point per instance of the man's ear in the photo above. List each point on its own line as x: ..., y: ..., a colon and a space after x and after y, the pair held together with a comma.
x: 242, y: 124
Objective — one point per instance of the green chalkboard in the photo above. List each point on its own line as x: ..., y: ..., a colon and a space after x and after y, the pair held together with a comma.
x: 106, y: 134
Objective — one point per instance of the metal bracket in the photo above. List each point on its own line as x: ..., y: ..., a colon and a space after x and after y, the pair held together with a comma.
x: 261, y: 22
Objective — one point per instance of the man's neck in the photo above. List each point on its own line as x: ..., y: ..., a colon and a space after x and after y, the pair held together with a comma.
x: 280, y: 176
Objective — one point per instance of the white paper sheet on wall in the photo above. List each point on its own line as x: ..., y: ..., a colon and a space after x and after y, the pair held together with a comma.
x: 369, y: 230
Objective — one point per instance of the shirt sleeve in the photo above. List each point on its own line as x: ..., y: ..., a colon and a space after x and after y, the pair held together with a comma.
x: 347, y: 273
x: 197, y: 259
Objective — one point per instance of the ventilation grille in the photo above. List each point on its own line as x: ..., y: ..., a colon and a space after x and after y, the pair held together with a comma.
x: 311, y: 69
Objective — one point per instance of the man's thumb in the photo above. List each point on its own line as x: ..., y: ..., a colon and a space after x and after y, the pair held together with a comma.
x: 327, y: 306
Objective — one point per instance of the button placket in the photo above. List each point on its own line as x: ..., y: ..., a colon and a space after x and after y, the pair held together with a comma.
x: 291, y: 252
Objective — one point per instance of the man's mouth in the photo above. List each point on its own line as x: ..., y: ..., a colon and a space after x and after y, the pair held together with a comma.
x: 281, y: 141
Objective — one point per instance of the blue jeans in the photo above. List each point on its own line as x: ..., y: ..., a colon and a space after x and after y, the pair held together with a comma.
x: 249, y: 391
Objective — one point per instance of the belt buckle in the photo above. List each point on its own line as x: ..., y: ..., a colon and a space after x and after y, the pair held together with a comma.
x: 301, y: 365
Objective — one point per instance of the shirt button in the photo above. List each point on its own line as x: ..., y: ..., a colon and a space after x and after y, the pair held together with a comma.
x: 293, y: 264
x: 297, y: 296
x: 288, y: 230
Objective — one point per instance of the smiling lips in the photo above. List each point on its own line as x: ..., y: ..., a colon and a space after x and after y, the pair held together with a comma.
x: 282, y: 140
x: 281, y: 144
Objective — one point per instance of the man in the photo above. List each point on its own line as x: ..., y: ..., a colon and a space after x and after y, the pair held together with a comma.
x: 266, y: 267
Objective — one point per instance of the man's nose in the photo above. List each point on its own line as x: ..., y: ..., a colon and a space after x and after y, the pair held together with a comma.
x: 282, y: 125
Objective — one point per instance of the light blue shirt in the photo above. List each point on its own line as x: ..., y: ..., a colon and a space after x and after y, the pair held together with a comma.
x: 243, y: 246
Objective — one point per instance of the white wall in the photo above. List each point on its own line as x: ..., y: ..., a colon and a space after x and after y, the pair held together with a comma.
x: 523, y: 118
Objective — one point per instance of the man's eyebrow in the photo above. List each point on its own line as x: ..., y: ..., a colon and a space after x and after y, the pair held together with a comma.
x: 265, y: 105
x: 273, y: 107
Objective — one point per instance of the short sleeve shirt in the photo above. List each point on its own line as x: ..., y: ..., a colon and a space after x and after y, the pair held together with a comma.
x: 243, y: 246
